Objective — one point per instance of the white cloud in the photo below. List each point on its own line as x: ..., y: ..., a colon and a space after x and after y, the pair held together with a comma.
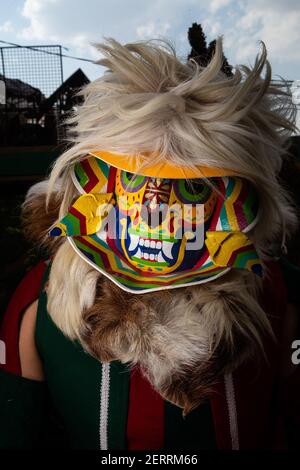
x: 39, y: 14
x: 65, y: 19
x: 213, y: 26
x: 278, y: 29
x: 243, y: 24
x: 78, y: 24
x: 7, y: 27
x: 216, y: 5
x: 152, y: 29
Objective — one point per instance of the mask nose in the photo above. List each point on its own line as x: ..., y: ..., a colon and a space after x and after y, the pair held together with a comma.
x: 154, y: 217
x: 155, y: 201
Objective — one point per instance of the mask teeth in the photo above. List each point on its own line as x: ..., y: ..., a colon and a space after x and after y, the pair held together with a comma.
x: 145, y: 245
x: 149, y: 243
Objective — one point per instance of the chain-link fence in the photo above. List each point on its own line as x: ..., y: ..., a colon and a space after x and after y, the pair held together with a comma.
x: 30, y: 75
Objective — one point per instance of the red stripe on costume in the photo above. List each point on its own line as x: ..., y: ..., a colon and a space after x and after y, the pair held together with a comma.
x: 219, y: 205
x: 81, y: 218
x: 145, y: 424
x: 25, y: 294
x: 238, y: 206
x: 237, y: 252
x: 93, y: 180
x: 111, y: 181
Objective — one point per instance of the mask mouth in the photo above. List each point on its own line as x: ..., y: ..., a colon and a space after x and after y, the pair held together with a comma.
x: 145, y: 251
x: 151, y: 250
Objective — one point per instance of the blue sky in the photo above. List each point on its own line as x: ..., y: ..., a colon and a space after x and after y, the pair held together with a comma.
x: 75, y: 24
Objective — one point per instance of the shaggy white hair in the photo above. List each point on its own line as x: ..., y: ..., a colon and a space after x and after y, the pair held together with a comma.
x: 149, y: 101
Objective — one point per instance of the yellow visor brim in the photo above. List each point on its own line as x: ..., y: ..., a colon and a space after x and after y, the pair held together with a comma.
x: 140, y: 165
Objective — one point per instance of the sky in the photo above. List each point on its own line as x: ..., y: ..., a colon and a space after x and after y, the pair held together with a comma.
x: 76, y: 25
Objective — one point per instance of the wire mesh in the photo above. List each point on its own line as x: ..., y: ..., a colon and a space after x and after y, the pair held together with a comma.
x: 31, y: 76
x: 38, y: 66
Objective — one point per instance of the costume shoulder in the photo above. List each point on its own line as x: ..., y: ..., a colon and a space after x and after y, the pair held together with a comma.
x: 27, y: 292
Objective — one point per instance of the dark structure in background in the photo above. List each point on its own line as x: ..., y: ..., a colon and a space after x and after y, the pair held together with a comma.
x: 37, y: 98
x: 201, y: 52
x: 17, y: 126
x: 32, y: 135
x: 30, y: 76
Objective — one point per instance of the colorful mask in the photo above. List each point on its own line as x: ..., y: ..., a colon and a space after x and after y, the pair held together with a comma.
x: 145, y: 232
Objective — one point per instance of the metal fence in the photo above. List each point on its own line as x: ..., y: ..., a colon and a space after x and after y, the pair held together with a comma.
x: 30, y: 75
x: 41, y: 67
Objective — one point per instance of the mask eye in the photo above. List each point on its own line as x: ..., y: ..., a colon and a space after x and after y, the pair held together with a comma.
x: 128, y: 176
x: 131, y: 182
x: 192, y: 191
